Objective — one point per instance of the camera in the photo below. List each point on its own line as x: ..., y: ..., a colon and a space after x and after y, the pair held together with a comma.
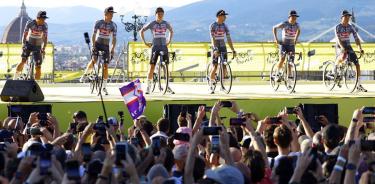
x: 156, y: 146
x: 215, y: 144
x: 211, y: 130
x: 237, y: 121
x: 121, y: 150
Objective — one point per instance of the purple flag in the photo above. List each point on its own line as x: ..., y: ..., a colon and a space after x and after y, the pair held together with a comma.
x: 133, y: 98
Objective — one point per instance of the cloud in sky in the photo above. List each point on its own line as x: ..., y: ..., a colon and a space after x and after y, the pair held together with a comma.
x: 122, y: 6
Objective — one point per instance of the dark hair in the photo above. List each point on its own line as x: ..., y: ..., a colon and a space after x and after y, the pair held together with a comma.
x: 163, y: 125
x: 147, y: 126
x: 268, y: 136
x: 283, y: 136
x: 233, y: 141
x: 255, y: 161
x: 159, y: 9
x: 284, y: 169
x: 80, y: 115
x: 199, y: 168
x: 331, y: 136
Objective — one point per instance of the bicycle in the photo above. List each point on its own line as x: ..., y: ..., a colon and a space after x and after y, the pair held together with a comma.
x: 161, y: 75
x: 288, y: 74
x: 225, y: 74
x: 29, y: 75
x: 97, y: 74
x: 346, y: 73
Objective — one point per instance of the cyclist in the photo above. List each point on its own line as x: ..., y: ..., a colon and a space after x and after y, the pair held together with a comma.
x: 103, y: 30
x: 35, y: 38
x: 344, y: 49
x: 159, y: 43
x: 218, y: 31
x: 290, y: 34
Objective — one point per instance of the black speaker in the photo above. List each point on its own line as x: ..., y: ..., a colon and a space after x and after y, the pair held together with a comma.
x: 312, y: 111
x: 172, y: 111
x: 24, y: 111
x: 21, y: 91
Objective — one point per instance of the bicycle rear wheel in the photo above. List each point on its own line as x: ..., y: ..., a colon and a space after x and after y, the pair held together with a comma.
x: 290, y: 77
x: 163, y: 78
x: 210, y: 67
x: 225, y: 75
x: 273, y: 73
x: 329, y: 78
x: 351, y: 78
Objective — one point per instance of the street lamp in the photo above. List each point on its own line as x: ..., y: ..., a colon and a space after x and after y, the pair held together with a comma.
x: 137, y: 25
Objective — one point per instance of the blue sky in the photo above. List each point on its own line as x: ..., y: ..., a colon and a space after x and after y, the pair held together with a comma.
x: 122, y: 6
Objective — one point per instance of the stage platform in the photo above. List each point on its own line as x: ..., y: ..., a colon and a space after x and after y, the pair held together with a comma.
x: 255, y: 97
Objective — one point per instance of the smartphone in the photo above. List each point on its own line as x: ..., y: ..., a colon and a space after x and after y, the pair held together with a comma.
x: 211, y: 130
x: 181, y: 137
x: 237, y: 121
x: 86, y: 152
x: 156, y: 146
x: 368, y: 110
x: 226, y: 103
x: 42, y: 116
x: 44, y: 162
x: 208, y: 109
x: 369, y: 119
x: 275, y: 120
x: 314, y: 153
x: 72, y: 170
x: 73, y: 127
x: 215, y: 144
x: 367, y: 145
x: 121, y: 150
x: 290, y: 110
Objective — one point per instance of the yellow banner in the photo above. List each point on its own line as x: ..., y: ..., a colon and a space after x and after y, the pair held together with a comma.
x: 255, y: 56
x: 12, y: 56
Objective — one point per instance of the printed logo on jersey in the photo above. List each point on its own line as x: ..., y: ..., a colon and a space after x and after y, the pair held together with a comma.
x: 159, y: 30
x: 219, y: 33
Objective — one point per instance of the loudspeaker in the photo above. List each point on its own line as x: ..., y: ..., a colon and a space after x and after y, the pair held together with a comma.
x: 172, y: 111
x: 312, y: 111
x: 21, y: 91
x: 24, y: 111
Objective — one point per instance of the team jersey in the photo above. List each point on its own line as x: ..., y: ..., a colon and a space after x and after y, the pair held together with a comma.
x: 343, y: 34
x: 289, y: 32
x: 218, y: 33
x: 106, y: 30
x: 159, y: 32
x: 35, y: 32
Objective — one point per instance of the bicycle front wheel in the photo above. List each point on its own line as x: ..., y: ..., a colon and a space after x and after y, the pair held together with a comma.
x: 291, y: 77
x: 163, y: 78
x: 273, y: 77
x: 351, y: 78
x: 329, y: 78
x: 226, y: 78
